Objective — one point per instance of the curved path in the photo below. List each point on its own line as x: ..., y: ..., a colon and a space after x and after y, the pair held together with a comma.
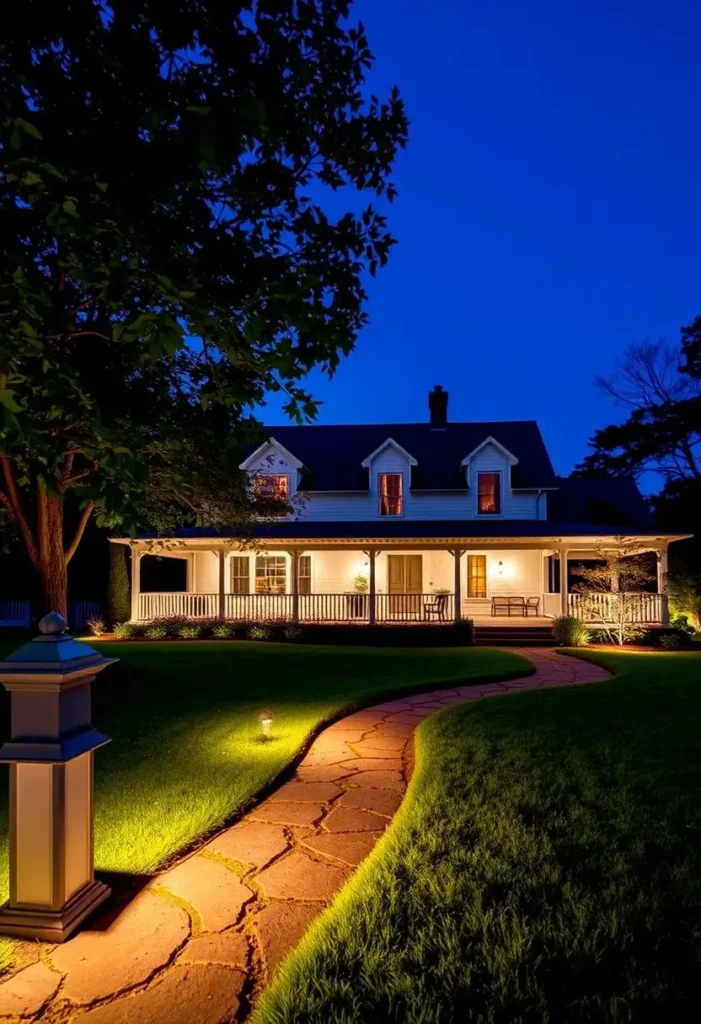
x: 201, y: 939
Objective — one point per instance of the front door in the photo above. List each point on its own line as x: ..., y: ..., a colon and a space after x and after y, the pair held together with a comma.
x: 476, y: 576
x: 404, y: 580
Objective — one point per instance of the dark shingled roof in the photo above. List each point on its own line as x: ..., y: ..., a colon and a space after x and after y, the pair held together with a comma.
x: 332, y: 455
x: 616, y: 502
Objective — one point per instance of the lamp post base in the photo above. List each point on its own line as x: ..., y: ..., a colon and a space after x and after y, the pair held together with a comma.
x: 53, y: 925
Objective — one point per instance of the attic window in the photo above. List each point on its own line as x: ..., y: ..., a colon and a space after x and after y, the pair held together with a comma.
x: 488, y: 494
x: 390, y: 487
x: 271, y: 486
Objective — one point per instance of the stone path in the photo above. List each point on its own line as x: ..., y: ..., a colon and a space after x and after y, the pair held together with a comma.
x: 200, y: 940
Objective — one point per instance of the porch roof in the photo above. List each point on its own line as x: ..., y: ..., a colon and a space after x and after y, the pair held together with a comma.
x: 408, y: 529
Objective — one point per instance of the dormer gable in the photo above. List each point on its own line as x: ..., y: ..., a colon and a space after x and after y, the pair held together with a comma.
x: 508, y: 456
x: 389, y: 443
x: 269, y: 450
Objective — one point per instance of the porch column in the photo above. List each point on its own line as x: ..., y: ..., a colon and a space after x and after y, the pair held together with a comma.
x: 222, y: 596
x: 372, y: 615
x: 564, y: 607
x: 294, y: 583
x: 457, y: 554
x: 135, y: 583
x: 662, y: 582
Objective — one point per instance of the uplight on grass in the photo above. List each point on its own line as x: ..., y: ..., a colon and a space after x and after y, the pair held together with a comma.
x: 266, y: 721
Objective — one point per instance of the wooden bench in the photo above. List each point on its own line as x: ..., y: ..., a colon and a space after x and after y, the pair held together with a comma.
x: 515, y: 606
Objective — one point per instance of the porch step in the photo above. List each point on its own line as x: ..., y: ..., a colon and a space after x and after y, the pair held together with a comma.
x: 514, y: 636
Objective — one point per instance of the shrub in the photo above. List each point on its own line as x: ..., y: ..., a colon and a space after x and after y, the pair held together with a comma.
x: 127, y: 630
x: 189, y: 630
x: 259, y: 633
x: 156, y: 631
x: 224, y: 630
x: 672, y: 641
x: 118, y: 600
x: 207, y: 626
x: 292, y: 632
x: 570, y: 632
x: 96, y: 625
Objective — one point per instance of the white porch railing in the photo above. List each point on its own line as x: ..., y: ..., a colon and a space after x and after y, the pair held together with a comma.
x: 348, y: 607
x: 15, y: 613
x: 644, y: 609
x: 192, y: 606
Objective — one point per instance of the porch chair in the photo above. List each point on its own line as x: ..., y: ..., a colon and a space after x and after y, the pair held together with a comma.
x: 437, y: 606
x: 532, y: 604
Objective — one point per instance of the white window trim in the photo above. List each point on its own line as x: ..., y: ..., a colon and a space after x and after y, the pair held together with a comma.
x: 379, y: 495
x: 489, y: 472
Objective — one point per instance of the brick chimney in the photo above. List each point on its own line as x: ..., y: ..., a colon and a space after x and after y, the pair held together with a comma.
x: 438, y: 407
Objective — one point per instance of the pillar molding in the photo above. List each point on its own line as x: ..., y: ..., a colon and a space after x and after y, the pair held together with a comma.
x: 135, y: 582
x: 663, y: 582
x: 221, y: 610
x: 294, y: 582
x: 372, y: 554
x: 457, y: 554
x: 564, y: 606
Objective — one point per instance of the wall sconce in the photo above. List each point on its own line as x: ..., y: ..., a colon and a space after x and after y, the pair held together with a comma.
x: 501, y: 568
x: 266, y: 721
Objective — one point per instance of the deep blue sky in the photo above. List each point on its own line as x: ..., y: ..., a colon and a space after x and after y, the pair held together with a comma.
x: 549, y: 208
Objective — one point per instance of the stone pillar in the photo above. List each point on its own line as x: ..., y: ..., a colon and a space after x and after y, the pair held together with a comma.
x: 564, y: 606
x: 457, y: 555
x: 135, y: 583
x: 221, y: 610
x: 662, y: 583
x: 50, y: 754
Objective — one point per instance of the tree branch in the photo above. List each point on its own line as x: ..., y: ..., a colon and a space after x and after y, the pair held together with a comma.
x: 11, y: 500
x: 80, y: 530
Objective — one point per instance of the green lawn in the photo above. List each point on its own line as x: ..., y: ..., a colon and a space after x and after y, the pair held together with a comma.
x: 183, y: 717
x: 545, y: 866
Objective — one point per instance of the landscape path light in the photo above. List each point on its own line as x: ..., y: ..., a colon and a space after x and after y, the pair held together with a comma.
x: 50, y: 754
x: 266, y: 721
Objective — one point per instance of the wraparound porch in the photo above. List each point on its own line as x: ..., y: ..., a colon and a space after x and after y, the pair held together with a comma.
x: 399, y: 582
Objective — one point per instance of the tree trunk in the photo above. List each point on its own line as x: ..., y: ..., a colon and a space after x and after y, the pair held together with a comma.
x: 52, y: 561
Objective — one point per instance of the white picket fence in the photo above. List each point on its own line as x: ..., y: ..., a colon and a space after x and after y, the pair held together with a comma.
x: 15, y: 613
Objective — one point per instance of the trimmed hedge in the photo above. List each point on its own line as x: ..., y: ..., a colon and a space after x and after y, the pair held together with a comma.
x: 460, y: 634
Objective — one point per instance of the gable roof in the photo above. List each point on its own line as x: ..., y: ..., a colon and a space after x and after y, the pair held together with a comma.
x: 333, y: 455
x: 509, y: 456
x: 389, y: 443
x: 254, y: 456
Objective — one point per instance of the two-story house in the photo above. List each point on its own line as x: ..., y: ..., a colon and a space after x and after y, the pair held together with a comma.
x: 420, y: 522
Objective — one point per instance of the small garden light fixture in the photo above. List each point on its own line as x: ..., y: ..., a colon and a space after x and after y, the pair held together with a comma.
x: 266, y: 721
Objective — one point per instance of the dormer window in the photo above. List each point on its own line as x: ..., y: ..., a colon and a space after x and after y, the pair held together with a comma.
x: 390, y: 488
x: 273, y: 486
x: 489, y: 494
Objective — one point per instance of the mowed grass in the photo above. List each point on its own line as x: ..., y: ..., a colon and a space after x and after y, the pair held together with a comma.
x: 186, y: 752
x: 544, y: 866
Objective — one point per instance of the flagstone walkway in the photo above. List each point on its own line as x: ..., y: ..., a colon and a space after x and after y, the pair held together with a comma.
x: 200, y: 940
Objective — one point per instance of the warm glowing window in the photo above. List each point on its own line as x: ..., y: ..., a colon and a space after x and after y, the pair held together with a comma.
x: 271, y: 486
x: 304, y: 575
x: 476, y: 575
x: 271, y: 574
x: 488, y: 494
x: 240, y: 575
x: 390, y: 485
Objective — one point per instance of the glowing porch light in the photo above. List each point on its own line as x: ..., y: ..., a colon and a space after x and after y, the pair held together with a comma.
x: 266, y: 721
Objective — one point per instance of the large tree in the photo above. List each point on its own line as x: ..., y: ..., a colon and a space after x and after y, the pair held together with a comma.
x: 168, y: 252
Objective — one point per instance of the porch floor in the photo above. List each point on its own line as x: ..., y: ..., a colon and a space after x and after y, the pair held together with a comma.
x: 513, y: 621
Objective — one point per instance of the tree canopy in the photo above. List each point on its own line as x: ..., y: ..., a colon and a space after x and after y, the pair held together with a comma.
x: 168, y: 254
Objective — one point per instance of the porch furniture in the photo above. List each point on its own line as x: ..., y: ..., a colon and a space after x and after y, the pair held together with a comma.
x: 508, y: 606
x: 532, y: 605
x: 437, y: 607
